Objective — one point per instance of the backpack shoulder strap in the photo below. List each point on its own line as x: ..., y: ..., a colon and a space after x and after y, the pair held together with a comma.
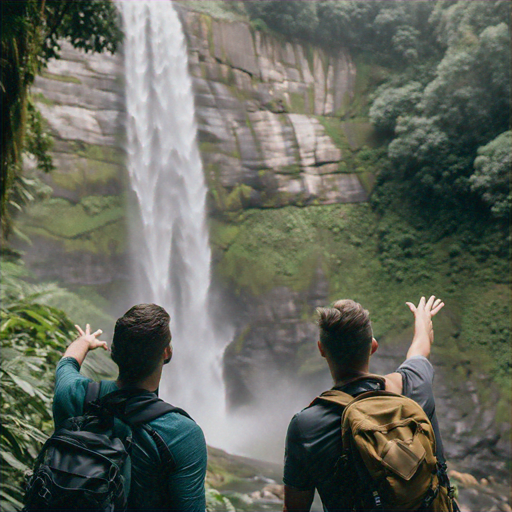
x: 368, y: 376
x: 93, y: 393
x: 342, y: 398
x: 137, y: 406
x: 166, y: 457
x: 149, y: 407
x: 152, y: 410
x: 334, y: 396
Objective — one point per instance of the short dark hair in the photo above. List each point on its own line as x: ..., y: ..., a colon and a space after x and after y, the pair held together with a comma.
x: 346, y: 332
x: 140, y: 337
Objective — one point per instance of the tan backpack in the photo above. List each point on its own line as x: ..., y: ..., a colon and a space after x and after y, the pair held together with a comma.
x: 389, y: 454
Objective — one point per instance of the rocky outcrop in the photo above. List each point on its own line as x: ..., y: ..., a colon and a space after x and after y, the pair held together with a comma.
x: 81, y: 97
x: 78, y: 235
x: 258, y: 104
x: 272, y: 342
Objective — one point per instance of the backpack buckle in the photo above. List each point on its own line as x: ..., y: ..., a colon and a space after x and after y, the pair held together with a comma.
x: 431, y: 496
x: 44, y: 493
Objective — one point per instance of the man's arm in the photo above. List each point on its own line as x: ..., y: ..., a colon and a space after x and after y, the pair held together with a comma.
x: 70, y: 385
x: 297, y: 501
x: 85, y: 342
x: 423, y: 330
x: 423, y: 336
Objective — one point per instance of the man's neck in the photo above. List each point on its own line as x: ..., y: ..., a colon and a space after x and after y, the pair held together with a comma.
x: 150, y: 383
x: 341, y: 377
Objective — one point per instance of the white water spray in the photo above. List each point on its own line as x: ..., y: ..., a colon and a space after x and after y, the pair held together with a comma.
x: 171, y: 246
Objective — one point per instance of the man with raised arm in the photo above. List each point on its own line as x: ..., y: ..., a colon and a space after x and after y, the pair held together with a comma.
x: 140, y: 347
x: 313, y: 443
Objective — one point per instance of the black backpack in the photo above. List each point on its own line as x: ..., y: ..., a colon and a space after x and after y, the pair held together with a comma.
x: 85, y: 464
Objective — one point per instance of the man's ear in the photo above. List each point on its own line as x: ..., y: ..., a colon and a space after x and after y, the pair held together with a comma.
x: 375, y: 346
x: 321, y: 348
x: 167, y: 354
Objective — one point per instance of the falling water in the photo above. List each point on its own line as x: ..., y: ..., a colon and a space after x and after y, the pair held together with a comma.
x: 170, y: 238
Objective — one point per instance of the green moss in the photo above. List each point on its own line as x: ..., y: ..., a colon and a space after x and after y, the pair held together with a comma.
x: 102, y: 153
x: 95, y: 225
x: 486, y: 320
x: 41, y: 98
x: 238, y: 197
x: 292, y: 170
x: 211, y: 45
x: 97, y: 165
x: 208, y: 147
x: 85, y: 174
x: 310, y: 57
x: 311, y: 99
x: 297, y: 102
x: 239, y: 341
x: 270, y: 247
x: 61, y: 78
x: 368, y: 76
x: 358, y: 157
x: 382, y: 261
x: 367, y: 180
x: 66, y: 220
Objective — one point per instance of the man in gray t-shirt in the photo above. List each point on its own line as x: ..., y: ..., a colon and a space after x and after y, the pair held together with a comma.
x: 313, y: 442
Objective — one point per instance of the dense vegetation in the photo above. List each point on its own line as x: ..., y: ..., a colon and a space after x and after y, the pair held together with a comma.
x: 34, y: 333
x: 33, y: 337
x: 446, y: 104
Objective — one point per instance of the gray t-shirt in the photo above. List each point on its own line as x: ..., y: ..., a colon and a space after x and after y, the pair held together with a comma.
x: 313, y: 442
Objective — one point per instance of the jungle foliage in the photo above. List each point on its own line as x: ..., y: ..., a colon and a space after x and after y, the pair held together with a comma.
x: 31, y: 30
x: 33, y: 337
x: 445, y: 106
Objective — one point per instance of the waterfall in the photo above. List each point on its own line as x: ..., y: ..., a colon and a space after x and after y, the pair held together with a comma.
x: 169, y: 236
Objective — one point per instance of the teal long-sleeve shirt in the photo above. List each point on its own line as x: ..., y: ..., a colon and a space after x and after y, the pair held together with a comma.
x: 184, y: 490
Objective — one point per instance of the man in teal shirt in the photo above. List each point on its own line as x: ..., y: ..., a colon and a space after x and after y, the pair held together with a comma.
x: 141, y: 346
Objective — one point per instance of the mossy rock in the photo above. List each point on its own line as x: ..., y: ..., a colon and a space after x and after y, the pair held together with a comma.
x: 61, y: 78
x: 360, y: 133
x: 110, y: 154
x: 96, y: 224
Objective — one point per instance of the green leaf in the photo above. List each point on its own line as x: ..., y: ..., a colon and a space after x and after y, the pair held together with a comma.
x: 13, y: 461
x: 10, y: 499
x: 23, y: 384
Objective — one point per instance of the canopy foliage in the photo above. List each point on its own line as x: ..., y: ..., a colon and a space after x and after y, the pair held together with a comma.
x: 447, y: 95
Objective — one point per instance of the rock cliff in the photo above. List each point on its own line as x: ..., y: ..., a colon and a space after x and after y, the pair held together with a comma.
x: 259, y: 106
x: 265, y: 110
x: 78, y: 234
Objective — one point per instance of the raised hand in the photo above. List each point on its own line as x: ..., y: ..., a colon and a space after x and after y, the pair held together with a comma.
x: 423, y: 329
x: 91, y: 338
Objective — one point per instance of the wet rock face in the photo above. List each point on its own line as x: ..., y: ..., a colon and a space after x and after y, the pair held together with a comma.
x: 272, y: 341
x: 256, y: 102
x: 78, y: 236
